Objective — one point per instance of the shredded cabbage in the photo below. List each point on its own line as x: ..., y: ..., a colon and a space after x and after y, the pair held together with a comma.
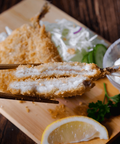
x: 4, y: 35
x: 72, y: 41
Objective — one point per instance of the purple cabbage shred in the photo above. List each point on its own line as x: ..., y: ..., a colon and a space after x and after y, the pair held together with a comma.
x: 78, y: 30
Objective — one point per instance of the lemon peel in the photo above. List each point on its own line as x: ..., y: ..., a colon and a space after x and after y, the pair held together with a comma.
x: 73, y: 129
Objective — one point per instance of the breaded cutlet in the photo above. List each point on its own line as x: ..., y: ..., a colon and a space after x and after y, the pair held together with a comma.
x: 52, y: 80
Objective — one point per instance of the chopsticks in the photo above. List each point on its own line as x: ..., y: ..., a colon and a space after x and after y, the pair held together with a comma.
x: 26, y: 98
x: 23, y: 97
x: 115, y: 139
x: 13, y: 66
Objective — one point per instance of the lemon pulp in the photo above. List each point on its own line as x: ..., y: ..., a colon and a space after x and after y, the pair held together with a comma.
x: 70, y: 132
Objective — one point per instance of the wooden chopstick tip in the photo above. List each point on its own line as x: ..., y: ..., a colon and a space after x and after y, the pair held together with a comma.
x: 115, y: 139
x: 26, y: 98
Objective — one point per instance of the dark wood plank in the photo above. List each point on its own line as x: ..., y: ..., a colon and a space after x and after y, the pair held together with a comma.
x: 74, y: 9
x: 102, y: 20
x: 10, y: 134
x: 117, y: 14
x: 111, y: 19
x: 101, y: 16
x: 6, y: 4
x: 3, y: 123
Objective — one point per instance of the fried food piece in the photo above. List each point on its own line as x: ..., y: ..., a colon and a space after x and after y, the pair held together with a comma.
x: 58, y: 79
x: 51, y: 80
x: 29, y: 44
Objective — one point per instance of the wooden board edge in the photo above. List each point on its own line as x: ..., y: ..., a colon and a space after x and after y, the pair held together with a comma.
x: 11, y: 119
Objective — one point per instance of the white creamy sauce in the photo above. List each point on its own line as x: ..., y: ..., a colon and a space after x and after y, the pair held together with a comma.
x: 117, y: 78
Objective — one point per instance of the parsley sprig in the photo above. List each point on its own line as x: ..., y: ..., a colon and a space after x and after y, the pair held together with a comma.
x: 99, y: 110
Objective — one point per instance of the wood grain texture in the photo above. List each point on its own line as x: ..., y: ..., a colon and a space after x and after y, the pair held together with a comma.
x: 6, y: 4
x: 101, y: 16
x: 88, y: 12
x: 10, y: 134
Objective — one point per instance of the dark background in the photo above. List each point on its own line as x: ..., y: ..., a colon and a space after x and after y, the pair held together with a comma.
x: 101, y: 16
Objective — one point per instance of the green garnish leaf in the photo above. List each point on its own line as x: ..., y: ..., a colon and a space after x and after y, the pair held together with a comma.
x: 99, y: 110
x: 115, y: 98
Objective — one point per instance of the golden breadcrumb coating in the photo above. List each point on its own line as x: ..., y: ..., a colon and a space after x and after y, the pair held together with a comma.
x: 28, y: 45
x: 51, y: 80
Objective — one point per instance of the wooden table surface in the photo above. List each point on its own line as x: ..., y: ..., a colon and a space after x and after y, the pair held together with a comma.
x: 100, y: 16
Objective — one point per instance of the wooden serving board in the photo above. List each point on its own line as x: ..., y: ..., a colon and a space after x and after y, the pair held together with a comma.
x: 34, y: 122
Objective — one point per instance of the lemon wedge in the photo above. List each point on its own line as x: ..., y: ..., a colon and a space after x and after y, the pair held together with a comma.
x: 73, y: 129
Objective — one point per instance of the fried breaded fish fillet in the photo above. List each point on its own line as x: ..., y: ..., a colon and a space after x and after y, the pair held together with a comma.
x: 52, y: 80
x: 29, y: 44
